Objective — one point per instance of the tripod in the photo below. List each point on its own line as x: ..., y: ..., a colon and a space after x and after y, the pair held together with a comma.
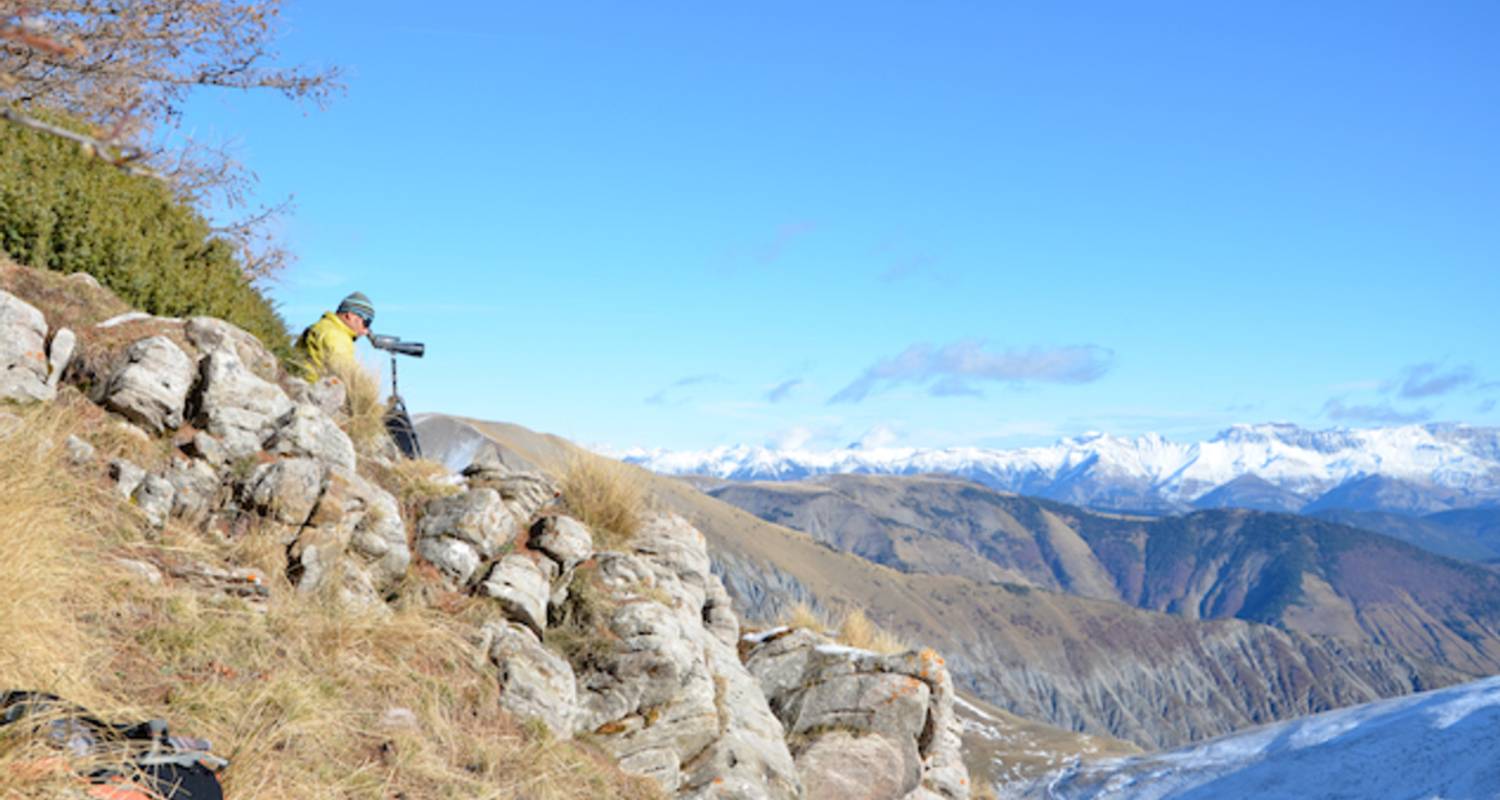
x: 398, y: 422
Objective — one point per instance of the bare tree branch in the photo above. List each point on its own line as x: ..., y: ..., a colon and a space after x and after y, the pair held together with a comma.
x: 90, y: 145
x: 126, y: 67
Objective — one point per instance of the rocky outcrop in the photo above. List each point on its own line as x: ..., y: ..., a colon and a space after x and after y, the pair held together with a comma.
x: 26, y: 372
x: 459, y: 533
x: 151, y: 384
x: 234, y: 405
x: 251, y: 463
x: 634, y: 646
x: 862, y: 724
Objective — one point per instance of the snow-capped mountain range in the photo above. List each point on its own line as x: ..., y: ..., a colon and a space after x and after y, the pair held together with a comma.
x: 1275, y: 466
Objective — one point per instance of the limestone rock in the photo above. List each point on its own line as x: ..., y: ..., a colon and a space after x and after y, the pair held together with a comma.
x: 142, y: 570
x: 664, y: 694
x: 197, y: 489
x: 455, y: 559
x: 79, y: 451
x: 648, y: 667
x: 718, y: 613
x: 285, y: 490
x: 535, y: 683
x: 564, y: 540
x: 150, y: 386
x: 328, y: 393
x: 127, y: 476
x: 525, y: 492
x: 522, y: 590
x: 59, y: 354
x: 23, y: 359
x: 460, y: 532
x: 235, y: 405
x: 354, y: 533
x: 840, y: 764
x: 750, y: 758
x: 306, y: 431
x: 209, y: 448
x: 821, y: 690
x: 209, y: 333
x: 399, y: 718
x: 154, y: 498
x: 679, y: 552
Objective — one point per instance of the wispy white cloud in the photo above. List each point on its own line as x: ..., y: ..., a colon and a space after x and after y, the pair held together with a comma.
x: 1382, y: 413
x: 769, y: 248
x: 1428, y: 380
x: 661, y: 396
x: 782, y: 390
x: 957, y: 369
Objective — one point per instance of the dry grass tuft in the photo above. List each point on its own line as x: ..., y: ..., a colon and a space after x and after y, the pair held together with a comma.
x: 413, y: 481
x: 804, y: 617
x: 856, y: 630
x: 363, y: 415
x: 607, y: 495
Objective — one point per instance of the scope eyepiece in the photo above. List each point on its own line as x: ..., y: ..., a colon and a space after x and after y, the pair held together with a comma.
x: 395, y: 345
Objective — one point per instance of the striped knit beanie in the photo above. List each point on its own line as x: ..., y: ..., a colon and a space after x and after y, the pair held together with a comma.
x: 358, y: 305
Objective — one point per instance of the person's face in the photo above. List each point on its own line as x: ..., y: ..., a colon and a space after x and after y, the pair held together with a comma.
x: 356, y: 323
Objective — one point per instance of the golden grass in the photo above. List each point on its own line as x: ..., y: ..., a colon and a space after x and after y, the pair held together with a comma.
x: 413, y: 481
x: 308, y: 698
x: 856, y: 630
x: 49, y: 566
x: 803, y: 616
x: 607, y: 495
x: 363, y: 415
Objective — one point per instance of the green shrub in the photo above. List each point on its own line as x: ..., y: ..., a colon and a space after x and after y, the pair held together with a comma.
x: 63, y: 210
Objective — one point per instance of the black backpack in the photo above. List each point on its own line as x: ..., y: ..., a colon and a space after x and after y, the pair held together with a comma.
x: 150, y: 758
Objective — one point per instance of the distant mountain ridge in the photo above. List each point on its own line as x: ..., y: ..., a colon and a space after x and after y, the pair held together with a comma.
x: 1409, y: 469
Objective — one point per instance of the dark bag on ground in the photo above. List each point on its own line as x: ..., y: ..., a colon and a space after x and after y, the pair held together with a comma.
x: 151, y: 759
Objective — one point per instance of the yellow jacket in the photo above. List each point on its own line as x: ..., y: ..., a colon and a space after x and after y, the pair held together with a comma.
x: 325, y: 343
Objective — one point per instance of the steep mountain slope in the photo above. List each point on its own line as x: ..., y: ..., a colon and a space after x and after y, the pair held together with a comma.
x: 1294, y: 572
x: 1441, y: 744
x: 1095, y: 666
x: 1252, y: 492
x: 1438, y: 466
x: 1002, y: 749
x: 1470, y: 534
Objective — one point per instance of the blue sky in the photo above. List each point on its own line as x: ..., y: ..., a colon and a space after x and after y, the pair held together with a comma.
x: 682, y: 224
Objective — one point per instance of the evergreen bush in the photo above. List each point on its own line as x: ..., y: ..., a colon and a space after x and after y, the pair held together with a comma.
x: 64, y: 210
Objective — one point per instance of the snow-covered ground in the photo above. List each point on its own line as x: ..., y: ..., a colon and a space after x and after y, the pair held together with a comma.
x: 1440, y: 745
x: 1460, y: 458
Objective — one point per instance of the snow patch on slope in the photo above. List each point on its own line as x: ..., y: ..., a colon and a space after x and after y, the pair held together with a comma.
x: 1441, y: 744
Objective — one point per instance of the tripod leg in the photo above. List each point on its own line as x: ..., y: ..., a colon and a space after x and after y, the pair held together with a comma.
x: 402, y: 431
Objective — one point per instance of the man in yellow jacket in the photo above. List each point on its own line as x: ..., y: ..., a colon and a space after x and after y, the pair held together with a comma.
x: 330, y: 340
